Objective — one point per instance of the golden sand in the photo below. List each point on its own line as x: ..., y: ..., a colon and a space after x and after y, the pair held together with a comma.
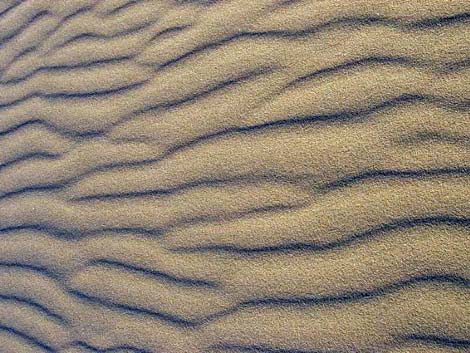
x: 230, y: 176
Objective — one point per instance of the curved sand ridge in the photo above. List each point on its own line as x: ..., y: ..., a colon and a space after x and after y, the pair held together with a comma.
x: 234, y: 176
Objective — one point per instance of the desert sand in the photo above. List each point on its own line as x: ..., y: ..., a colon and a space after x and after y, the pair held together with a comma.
x: 277, y: 176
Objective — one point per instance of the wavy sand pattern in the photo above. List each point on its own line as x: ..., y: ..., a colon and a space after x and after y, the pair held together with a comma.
x: 288, y: 176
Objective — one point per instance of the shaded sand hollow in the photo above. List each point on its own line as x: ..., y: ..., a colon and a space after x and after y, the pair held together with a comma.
x: 229, y: 176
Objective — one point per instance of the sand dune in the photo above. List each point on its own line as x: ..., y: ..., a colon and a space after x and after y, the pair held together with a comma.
x: 234, y: 176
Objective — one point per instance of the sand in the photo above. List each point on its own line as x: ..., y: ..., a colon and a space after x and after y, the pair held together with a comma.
x: 230, y: 176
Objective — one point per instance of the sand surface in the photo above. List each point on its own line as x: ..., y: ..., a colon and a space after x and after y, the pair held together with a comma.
x: 278, y: 176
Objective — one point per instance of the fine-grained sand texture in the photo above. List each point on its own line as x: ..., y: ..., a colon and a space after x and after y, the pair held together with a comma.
x: 227, y: 176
